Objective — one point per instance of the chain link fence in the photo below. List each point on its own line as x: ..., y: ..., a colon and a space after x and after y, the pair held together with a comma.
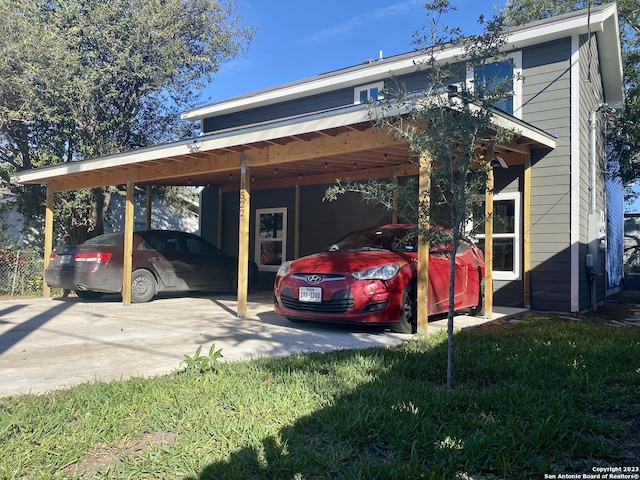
x: 21, y: 272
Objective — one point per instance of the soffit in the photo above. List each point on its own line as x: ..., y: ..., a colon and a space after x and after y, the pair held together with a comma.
x: 314, y: 149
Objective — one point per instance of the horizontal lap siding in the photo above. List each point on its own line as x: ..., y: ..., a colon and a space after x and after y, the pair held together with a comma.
x: 546, y: 103
x: 324, y: 222
x: 287, y: 109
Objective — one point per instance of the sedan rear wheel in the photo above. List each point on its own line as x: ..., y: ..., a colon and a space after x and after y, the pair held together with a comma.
x: 408, y: 311
x: 143, y: 286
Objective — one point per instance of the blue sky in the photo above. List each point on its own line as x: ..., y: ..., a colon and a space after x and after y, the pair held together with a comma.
x: 297, y: 40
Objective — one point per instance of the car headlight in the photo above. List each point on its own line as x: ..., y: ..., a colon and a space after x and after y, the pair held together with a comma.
x: 382, y: 272
x: 284, y: 269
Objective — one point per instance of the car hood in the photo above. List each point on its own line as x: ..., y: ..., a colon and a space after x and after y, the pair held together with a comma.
x: 346, y: 261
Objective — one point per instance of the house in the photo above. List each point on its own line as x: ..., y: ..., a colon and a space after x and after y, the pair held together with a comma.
x: 266, y: 158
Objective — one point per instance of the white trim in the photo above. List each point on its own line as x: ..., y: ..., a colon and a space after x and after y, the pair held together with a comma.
x: 516, y: 57
x: 574, y: 188
x: 518, y: 80
x: 367, y: 88
x: 282, y: 239
x: 516, y: 274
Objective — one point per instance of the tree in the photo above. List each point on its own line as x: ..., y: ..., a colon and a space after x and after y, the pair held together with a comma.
x: 624, y: 127
x: 445, y: 127
x: 85, y: 78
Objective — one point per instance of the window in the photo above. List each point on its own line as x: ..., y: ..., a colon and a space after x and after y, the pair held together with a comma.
x: 368, y: 92
x: 271, y: 238
x: 506, y: 235
x: 493, y: 74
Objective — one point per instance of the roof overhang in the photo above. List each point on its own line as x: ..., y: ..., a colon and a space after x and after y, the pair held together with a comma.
x: 309, y: 149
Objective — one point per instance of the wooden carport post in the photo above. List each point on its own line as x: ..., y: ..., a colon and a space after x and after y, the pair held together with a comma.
x: 127, y: 262
x: 488, y: 244
x: 424, y: 196
x: 148, y: 223
x: 243, y: 240
x: 48, y: 238
x: 526, y: 255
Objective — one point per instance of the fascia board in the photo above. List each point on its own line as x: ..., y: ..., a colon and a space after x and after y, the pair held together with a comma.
x: 231, y: 138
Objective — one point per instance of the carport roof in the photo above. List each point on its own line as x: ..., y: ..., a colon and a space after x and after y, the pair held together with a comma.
x: 308, y: 149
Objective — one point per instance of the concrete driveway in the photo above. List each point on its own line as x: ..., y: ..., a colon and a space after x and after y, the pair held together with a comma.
x: 47, y: 344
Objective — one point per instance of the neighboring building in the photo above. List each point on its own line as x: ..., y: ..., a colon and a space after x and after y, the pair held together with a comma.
x: 163, y: 216
x: 287, y: 144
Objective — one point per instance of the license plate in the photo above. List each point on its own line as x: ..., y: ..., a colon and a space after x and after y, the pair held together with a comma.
x: 65, y: 259
x: 310, y: 294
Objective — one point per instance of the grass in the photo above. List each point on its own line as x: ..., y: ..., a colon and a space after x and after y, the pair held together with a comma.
x: 545, y: 394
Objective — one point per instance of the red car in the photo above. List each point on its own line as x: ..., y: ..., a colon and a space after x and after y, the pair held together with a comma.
x: 369, y: 276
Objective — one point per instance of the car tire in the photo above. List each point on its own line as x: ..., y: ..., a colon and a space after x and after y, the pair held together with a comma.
x: 408, y: 310
x: 479, y: 308
x: 143, y: 286
x: 88, y: 294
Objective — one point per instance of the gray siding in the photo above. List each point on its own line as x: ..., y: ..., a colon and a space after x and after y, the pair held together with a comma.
x: 546, y: 103
x: 306, y: 105
x: 591, y: 95
x: 292, y: 108
x: 322, y: 223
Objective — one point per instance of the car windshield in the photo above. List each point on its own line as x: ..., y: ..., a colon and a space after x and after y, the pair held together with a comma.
x: 107, y: 239
x: 396, y: 239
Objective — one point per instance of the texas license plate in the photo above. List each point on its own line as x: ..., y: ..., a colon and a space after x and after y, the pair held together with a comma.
x: 64, y: 259
x: 310, y: 294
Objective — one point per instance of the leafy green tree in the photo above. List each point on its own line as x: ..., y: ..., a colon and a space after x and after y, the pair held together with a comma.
x: 446, y: 130
x: 85, y: 78
x: 625, y: 127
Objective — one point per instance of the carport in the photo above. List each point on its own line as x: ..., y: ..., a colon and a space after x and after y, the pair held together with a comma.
x: 306, y: 150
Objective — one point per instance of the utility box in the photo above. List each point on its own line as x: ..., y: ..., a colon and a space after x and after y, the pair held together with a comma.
x: 597, y: 242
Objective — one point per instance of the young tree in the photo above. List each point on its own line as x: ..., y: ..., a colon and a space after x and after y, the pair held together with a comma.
x: 625, y: 138
x: 86, y: 78
x: 449, y: 126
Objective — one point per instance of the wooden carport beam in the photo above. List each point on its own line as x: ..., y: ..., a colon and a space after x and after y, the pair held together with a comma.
x: 127, y: 263
x: 243, y: 239
x: 48, y: 238
x: 424, y: 195
x: 218, y: 161
x: 488, y: 244
x: 526, y: 241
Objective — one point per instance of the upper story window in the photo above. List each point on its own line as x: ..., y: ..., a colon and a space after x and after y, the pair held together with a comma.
x: 493, y: 74
x: 368, y: 92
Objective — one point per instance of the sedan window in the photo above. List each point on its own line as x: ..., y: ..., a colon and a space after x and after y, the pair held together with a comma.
x: 394, y: 239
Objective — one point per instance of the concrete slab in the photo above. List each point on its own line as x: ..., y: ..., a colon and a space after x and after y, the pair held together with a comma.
x: 47, y: 344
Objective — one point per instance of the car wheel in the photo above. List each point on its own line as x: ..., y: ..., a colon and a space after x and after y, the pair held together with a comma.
x: 479, y: 308
x: 408, y: 310
x: 143, y: 286
x: 88, y: 294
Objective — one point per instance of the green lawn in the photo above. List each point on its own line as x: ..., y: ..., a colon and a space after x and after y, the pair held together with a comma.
x: 541, y: 395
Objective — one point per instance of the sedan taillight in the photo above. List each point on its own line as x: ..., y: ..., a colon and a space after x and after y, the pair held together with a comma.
x: 98, y: 257
x: 53, y: 256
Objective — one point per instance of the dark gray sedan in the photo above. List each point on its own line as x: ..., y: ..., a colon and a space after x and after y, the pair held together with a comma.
x: 163, y: 261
